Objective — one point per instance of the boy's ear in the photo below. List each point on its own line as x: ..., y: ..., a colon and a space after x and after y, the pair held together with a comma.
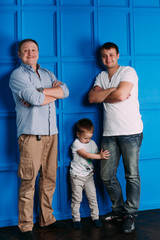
x: 77, y: 134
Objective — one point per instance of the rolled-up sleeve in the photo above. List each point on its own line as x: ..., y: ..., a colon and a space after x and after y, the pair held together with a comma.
x: 24, y: 89
x: 65, y: 90
x: 63, y: 85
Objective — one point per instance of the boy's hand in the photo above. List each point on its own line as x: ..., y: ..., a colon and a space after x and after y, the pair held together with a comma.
x: 104, y: 154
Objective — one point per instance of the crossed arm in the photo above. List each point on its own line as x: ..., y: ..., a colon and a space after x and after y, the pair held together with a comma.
x: 110, y: 95
x: 52, y: 94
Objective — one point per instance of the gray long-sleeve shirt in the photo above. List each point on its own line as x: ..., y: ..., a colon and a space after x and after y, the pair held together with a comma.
x: 35, y: 119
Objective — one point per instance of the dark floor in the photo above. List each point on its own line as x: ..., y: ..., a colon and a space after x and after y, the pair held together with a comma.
x: 147, y: 228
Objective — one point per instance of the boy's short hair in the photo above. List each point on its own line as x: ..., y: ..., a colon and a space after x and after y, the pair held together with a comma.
x: 85, y: 124
x: 26, y: 40
x: 109, y: 45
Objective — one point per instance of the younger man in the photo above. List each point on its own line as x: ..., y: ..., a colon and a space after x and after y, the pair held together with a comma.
x: 117, y: 89
x: 81, y: 172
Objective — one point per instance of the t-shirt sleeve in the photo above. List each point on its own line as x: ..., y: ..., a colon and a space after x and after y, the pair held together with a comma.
x: 94, y: 147
x: 129, y: 75
x: 98, y: 81
x: 76, y: 146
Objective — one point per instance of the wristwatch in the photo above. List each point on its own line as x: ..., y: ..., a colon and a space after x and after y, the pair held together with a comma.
x: 40, y: 89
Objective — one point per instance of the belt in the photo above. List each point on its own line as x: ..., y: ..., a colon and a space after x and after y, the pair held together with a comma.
x: 38, y: 137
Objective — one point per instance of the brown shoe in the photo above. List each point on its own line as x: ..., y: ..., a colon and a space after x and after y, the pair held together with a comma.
x: 27, y: 235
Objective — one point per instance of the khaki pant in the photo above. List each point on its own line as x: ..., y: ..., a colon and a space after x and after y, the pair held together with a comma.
x: 36, y: 156
x: 78, y: 184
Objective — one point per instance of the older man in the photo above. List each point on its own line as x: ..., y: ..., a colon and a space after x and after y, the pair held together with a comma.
x: 35, y: 91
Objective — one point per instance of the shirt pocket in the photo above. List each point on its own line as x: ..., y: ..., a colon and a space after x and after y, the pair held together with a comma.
x: 26, y: 171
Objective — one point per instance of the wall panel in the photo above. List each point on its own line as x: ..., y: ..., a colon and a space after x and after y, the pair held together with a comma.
x: 114, y: 3
x: 76, y: 3
x: 8, y: 35
x: 146, y: 3
x: 79, y: 76
x: 149, y: 171
x: 47, y: 27
x: 112, y: 24
x: 145, y: 29
x: 77, y: 34
x: 8, y: 150
x: 8, y: 2
x: 150, y: 118
x: 148, y: 92
x: 9, y: 198
x: 39, y: 2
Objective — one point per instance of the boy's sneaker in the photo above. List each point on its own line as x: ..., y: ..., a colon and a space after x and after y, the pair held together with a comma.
x: 97, y: 223
x: 77, y: 225
x: 128, y: 224
x: 112, y: 216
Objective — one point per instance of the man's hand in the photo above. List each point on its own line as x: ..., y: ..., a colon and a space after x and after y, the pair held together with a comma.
x: 97, y: 88
x: 56, y: 84
x: 26, y: 104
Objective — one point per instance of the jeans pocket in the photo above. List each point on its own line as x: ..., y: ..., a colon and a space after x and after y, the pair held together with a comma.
x: 25, y: 170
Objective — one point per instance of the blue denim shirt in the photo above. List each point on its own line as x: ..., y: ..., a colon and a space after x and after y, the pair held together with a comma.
x: 35, y: 119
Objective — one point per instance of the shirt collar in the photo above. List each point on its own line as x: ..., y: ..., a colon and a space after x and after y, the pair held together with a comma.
x: 30, y: 67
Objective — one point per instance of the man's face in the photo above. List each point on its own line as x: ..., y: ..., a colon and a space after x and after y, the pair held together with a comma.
x: 29, y: 53
x: 109, y: 57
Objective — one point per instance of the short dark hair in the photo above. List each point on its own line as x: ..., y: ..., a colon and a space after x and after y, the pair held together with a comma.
x: 85, y: 124
x: 26, y: 40
x: 109, y: 45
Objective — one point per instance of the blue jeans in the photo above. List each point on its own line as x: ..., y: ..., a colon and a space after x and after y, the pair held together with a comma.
x: 127, y: 146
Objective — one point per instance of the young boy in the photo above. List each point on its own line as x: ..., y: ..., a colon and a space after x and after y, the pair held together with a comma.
x: 81, y: 171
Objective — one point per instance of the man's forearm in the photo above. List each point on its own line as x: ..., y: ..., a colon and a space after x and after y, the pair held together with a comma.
x: 98, y: 96
x: 56, y: 92
x: 123, y: 92
x: 47, y: 100
x: 112, y: 98
x: 115, y: 97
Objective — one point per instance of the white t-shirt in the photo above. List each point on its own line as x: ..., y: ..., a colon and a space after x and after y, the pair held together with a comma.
x: 122, y: 118
x: 79, y: 165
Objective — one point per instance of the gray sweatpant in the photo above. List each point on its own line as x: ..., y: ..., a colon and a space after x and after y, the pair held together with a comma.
x: 79, y: 184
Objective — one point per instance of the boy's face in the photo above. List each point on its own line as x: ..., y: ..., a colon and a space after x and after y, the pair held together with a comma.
x: 84, y: 137
x: 109, y: 57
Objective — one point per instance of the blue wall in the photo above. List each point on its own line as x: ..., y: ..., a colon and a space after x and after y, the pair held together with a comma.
x: 69, y: 33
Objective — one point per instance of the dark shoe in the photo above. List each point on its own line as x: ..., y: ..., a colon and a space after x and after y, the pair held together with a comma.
x: 97, y: 223
x: 77, y: 225
x: 57, y: 224
x: 112, y: 216
x: 27, y: 235
x: 128, y: 224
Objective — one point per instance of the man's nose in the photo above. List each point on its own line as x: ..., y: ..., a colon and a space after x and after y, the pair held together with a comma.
x: 29, y: 51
